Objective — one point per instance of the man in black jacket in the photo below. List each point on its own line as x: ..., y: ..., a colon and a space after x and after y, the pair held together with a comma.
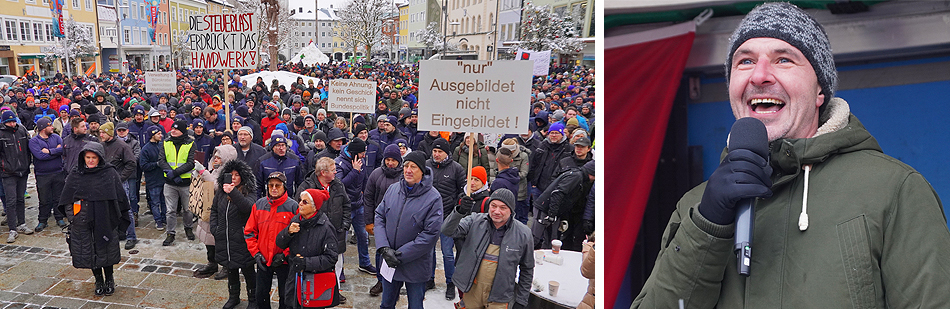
x: 179, y: 155
x: 248, y: 151
x: 448, y: 177
x: 74, y: 142
x: 120, y: 155
x: 563, y: 201
x: 16, y: 159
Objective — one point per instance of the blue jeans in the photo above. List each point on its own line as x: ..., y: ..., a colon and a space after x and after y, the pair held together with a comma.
x: 130, y: 232
x: 522, y: 208
x: 135, y: 185
x: 14, y: 203
x: 157, y: 204
x: 362, y: 238
x: 448, y: 257
x: 415, y: 292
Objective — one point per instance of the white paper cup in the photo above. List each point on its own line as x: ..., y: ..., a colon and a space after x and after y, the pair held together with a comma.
x: 552, y: 288
x: 555, y: 246
x: 539, y: 257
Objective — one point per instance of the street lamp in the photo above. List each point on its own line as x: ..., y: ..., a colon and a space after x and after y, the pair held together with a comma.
x: 395, y: 37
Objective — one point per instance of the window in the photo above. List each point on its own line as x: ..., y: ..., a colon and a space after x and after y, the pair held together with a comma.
x: 25, y: 30
x: 88, y: 5
x: 76, y: 4
x: 135, y: 11
x: 142, y: 14
x: 38, y: 32
x: 126, y: 36
x: 11, y: 30
x: 49, y: 32
x: 180, y: 14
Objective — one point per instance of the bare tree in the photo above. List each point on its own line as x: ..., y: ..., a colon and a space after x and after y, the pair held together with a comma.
x: 79, y: 40
x: 275, y: 26
x: 181, y: 48
x: 361, y: 23
x: 542, y: 29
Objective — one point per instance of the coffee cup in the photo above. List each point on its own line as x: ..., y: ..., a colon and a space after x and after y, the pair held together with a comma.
x: 539, y: 257
x: 555, y: 246
x: 552, y: 288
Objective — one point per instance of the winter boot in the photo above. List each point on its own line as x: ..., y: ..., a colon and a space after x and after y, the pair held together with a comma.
x: 206, y: 271
x: 221, y: 274
x: 234, y: 296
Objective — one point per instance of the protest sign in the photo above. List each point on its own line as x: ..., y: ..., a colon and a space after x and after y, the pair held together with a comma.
x: 224, y: 41
x: 352, y: 95
x: 160, y: 82
x: 475, y: 96
x: 542, y: 60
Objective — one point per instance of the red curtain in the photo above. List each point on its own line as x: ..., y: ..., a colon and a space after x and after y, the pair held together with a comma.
x: 643, y: 71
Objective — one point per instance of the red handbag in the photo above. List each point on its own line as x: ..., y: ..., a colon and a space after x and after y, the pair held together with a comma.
x: 317, y: 290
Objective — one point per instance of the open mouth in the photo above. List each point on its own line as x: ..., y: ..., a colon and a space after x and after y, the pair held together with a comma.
x: 766, y: 106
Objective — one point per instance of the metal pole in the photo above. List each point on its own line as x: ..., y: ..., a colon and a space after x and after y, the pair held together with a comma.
x: 445, y: 24
x: 316, y: 23
x: 66, y: 48
x: 494, y: 53
x: 121, y: 36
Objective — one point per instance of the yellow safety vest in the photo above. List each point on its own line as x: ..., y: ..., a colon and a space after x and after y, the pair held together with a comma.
x: 177, y: 158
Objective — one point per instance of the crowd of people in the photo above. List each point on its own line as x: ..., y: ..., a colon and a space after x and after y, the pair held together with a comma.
x: 272, y: 182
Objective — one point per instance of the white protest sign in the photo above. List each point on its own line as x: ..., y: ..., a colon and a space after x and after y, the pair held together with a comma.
x: 161, y: 82
x: 475, y: 96
x: 352, y: 95
x: 224, y: 41
x: 542, y: 60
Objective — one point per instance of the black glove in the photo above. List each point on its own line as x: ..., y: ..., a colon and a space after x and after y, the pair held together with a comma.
x: 298, y: 263
x: 588, y: 227
x: 277, y: 260
x: 170, y: 175
x: 390, y: 256
x: 261, y: 261
x: 466, y: 204
x: 742, y: 174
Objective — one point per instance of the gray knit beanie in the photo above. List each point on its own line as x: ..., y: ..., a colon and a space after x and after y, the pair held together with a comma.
x: 787, y: 22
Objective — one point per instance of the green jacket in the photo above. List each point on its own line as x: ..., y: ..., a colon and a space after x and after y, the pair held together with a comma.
x: 877, y: 236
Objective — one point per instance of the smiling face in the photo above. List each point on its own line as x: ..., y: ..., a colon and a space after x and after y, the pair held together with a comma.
x: 772, y: 81
x: 499, y: 212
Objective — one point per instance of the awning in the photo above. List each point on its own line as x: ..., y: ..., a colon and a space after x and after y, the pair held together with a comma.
x: 31, y: 55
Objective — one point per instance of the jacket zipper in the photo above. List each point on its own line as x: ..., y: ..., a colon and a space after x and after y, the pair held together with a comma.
x: 227, y: 227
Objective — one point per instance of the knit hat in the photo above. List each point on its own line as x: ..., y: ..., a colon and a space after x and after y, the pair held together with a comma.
x: 287, y: 111
x: 304, y: 109
x: 401, y: 142
x: 382, y: 118
x: 393, y: 121
x: 419, y: 158
x: 318, y: 197
x: 273, y: 107
x: 441, y: 144
x: 392, y: 151
x: 46, y: 122
x: 404, y: 112
x: 198, y: 122
x: 94, y: 118
x: 107, y: 128
x: 787, y: 22
x: 180, y: 125
x: 573, y: 121
x: 503, y: 195
x: 356, y: 146
x: 91, y: 109
x: 162, y: 107
x: 63, y: 108
x: 152, y: 130
x: 557, y: 126
x: 248, y: 130
x: 74, y: 113
x: 321, y: 111
x: 359, y: 127
x: 242, y: 111
x: 589, y: 168
x: 558, y: 115
x: 479, y: 172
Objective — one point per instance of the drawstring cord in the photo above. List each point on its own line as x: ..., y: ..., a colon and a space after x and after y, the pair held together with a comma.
x: 803, y: 218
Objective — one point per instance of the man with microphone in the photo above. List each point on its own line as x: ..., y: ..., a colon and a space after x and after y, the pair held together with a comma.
x: 837, y: 223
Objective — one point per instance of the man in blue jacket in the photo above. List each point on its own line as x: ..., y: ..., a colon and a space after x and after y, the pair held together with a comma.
x: 351, y: 169
x: 154, y: 178
x: 407, y: 227
x: 47, y: 150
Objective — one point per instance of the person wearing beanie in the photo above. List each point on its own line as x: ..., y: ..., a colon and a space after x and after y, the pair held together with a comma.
x: 449, y: 180
x: 203, y: 142
x: 310, y: 239
x: 373, y: 157
x: 308, y: 129
x: 385, y: 132
x: 119, y: 154
x: 15, y: 158
x: 410, y: 250
x: 782, y: 55
x: 61, y: 123
x: 475, y: 198
x: 269, y: 123
x: 352, y: 169
x: 47, y: 150
x: 545, y: 158
x: 281, y: 158
x: 250, y: 152
x: 178, y: 152
x: 492, y: 235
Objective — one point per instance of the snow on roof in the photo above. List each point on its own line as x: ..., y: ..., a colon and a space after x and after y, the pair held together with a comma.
x: 324, y: 15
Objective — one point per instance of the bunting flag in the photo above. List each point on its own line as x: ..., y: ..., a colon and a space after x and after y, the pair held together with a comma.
x: 645, y: 72
x: 56, y: 7
x: 32, y: 68
x: 91, y: 69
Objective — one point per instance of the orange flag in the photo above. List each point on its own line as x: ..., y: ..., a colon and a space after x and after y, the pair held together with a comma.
x: 91, y: 69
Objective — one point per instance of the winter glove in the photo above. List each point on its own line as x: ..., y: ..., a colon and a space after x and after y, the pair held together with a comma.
x: 199, y: 167
x: 261, y: 261
x: 742, y: 174
x: 466, y: 203
x: 298, y: 263
x: 369, y: 228
x: 170, y: 175
x: 390, y: 256
x: 277, y: 260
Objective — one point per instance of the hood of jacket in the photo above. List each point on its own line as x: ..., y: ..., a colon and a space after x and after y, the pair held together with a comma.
x: 248, y: 180
x: 99, y: 150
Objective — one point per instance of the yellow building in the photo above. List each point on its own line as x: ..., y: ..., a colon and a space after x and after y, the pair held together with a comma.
x: 26, y: 35
x: 403, y: 30
x: 180, y: 12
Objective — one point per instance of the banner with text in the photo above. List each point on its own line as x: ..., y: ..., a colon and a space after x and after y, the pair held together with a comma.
x: 542, y: 60
x: 224, y: 41
x: 352, y: 95
x: 160, y: 82
x: 475, y: 96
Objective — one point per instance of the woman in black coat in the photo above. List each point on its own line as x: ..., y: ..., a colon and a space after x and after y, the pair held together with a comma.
x: 231, y: 208
x: 311, y: 239
x: 97, y: 208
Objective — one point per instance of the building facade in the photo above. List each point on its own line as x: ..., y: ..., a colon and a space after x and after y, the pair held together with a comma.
x: 472, y: 23
x: 181, y: 11
x: 26, y: 35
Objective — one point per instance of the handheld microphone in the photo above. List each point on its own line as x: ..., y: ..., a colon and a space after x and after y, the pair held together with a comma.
x: 747, y: 133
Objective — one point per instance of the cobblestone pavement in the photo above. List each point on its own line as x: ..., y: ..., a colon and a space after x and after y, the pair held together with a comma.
x: 36, y: 272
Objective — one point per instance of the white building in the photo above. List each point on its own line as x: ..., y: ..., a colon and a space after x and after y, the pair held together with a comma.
x: 311, y: 27
x: 473, y: 25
